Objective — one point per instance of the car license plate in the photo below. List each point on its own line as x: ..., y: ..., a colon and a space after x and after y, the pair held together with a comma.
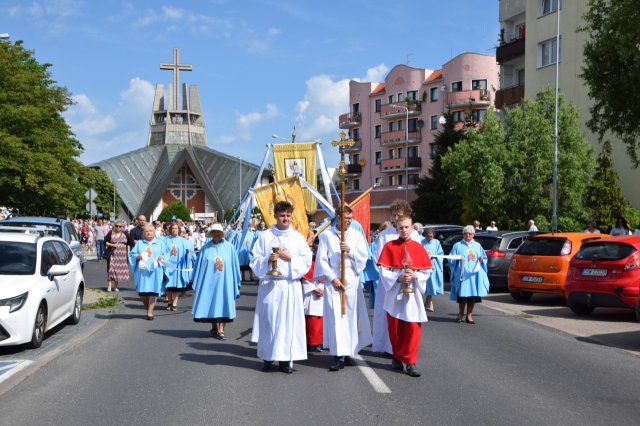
x: 530, y: 279
x: 592, y: 272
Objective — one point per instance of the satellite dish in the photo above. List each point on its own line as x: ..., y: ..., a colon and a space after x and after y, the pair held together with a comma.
x: 420, y: 124
x: 442, y: 120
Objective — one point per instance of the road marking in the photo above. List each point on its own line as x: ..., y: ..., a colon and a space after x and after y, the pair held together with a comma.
x: 375, y: 380
x: 11, y: 367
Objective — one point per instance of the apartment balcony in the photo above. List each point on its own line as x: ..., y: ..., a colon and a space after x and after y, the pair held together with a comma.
x: 390, y: 111
x: 509, y: 96
x: 349, y: 120
x: 397, y: 164
x: 513, y: 49
x: 354, y: 169
x: 466, y: 98
x: 398, y: 138
x: 357, y: 146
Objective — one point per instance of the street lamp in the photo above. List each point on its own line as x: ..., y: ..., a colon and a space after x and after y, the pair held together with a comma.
x: 114, y: 198
x: 240, y: 181
x: 406, y: 149
x: 554, y: 213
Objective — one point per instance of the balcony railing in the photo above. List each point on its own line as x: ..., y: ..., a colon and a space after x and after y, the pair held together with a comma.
x: 391, y: 111
x: 509, y: 96
x: 357, y: 146
x: 354, y: 169
x: 468, y: 97
x: 511, y: 50
x: 397, y: 164
x: 398, y: 137
x: 349, y: 120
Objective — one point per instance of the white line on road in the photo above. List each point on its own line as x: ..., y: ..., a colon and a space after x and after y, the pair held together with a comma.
x: 371, y: 375
x: 11, y: 367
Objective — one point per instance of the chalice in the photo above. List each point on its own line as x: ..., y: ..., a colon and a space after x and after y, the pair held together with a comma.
x: 274, y: 264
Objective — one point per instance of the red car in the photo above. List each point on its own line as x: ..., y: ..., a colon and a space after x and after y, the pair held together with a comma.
x: 604, y: 273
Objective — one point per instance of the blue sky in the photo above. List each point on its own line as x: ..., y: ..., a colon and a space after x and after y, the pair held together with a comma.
x: 261, y: 66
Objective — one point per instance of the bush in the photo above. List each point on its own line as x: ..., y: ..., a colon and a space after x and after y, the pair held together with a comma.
x: 178, y: 209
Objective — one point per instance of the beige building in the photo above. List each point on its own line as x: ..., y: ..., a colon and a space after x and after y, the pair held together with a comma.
x: 527, y: 58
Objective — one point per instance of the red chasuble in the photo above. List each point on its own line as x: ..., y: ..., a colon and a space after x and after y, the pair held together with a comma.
x: 395, y: 254
x: 309, y: 275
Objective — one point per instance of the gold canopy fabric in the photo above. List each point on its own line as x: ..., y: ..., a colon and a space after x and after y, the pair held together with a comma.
x: 289, y: 158
x: 283, y: 190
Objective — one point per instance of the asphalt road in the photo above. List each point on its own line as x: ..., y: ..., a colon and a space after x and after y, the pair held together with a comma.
x: 504, y: 370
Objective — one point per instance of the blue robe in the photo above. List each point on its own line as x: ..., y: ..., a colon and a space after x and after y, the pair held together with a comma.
x: 148, y: 280
x: 215, y: 290
x: 435, y: 283
x: 244, y: 247
x: 183, y: 261
x: 468, y: 278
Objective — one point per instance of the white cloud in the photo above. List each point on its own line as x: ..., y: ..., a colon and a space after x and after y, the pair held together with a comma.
x: 245, y: 123
x: 138, y: 96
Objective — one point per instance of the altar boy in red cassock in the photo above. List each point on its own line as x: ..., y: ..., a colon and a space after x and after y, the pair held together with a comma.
x: 404, y: 263
x: 313, y: 305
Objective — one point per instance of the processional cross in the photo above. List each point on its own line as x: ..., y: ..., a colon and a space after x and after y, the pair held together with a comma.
x: 176, y: 67
x: 342, y: 144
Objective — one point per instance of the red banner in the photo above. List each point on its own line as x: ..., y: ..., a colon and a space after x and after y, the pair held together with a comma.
x: 361, y: 207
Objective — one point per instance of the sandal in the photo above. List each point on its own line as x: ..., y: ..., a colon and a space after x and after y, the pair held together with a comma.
x: 459, y: 317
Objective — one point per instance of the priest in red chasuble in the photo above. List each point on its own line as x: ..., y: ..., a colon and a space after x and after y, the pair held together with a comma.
x: 404, y: 270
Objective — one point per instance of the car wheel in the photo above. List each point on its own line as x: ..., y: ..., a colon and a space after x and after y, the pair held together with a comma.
x: 521, y: 296
x: 581, y: 308
x: 39, y: 327
x: 77, y: 309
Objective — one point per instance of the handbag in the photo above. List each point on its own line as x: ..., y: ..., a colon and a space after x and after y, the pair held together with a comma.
x: 107, y: 252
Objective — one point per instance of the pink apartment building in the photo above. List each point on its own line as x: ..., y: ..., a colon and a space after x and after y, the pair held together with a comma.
x: 394, y: 123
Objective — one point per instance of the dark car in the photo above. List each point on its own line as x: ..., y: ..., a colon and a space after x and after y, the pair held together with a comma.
x: 60, y: 227
x: 499, y: 247
x: 443, y: 231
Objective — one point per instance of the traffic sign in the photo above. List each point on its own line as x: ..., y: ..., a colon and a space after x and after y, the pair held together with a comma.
x: 91, y: 194
x: 91, y: 208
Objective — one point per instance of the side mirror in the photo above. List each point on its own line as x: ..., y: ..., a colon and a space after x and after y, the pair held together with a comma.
x: 75, y: 245
x: 57, y: 271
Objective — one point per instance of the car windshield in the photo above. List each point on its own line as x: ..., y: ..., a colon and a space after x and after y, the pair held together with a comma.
x: 45, y: 228
x: 17, y: 258
x: 542, y: 246
x: 487, y: 243
x: 605, y: 251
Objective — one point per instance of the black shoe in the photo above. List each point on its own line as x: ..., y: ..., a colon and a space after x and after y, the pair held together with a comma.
x: 318, y: 348
x: 221, y: 336
x: 149, y: 317
x: 412, y: 370
x: 337, y: 365
x: 266, y: 365
x: 396, y: 364
x: 470, y: 321
x: 348, y: 361
x: 285, y: 368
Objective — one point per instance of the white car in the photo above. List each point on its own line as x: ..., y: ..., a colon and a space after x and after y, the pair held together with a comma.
x: 41, y: 285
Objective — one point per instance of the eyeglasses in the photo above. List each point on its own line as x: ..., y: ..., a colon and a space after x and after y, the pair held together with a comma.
x: 118, y: 226
x: 467, y: 233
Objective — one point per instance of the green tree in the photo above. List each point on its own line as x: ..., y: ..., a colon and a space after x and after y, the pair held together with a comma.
x: 611, y: 69
x: 100, y: 182
x: 503, y: 170
x: 436, y: 202
x: 604, y: 200
x: 177, y: 209
x: 38, y: 151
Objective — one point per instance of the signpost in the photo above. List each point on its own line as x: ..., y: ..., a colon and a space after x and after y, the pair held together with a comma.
x: 91, y: 195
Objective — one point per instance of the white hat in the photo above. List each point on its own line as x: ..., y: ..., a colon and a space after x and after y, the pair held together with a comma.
x: 214, y: 227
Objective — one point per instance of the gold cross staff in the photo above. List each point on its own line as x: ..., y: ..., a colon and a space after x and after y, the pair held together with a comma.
x: 176, y: 67
x: 342, y: 144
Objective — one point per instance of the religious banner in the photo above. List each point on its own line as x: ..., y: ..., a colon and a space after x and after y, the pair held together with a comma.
x: 297, y: 158
x: 283, y: 190
x: 361, y: 208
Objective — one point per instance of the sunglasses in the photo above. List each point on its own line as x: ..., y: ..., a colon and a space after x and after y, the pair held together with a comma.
x: 118, y: 226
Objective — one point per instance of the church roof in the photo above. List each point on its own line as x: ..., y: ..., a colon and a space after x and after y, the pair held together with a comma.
x: 142, y: 175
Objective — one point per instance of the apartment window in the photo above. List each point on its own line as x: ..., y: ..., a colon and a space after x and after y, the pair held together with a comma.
x: 377, y: 130
x: 412, y: 151
x: 413, y: 95
x: 547, y: 53
x: 520, y: 77
x: 412, y: 179
x: 378, y: 157
x: 413, y: 124
x: 400, y: 124
x: 400, y: 97
x: 356, y: 108
x: 434, y: 122
x: 355, y: 159
x: 478, y: 84
x: 391, y: 152
x: 356, y: 184
x: 433, y: 94
x: 391, y: 180
x: 378, y: 181
x: 549, y: 6
x: 457, y: 116
x: 478, y: 114
x: 378, y: 104
x: 456, y: 86
x: 433, y: 150
x: 400, y: 151
x: 400, y: 179
x: 391, y: 126
x: 390, y: 99
x: 355, y: 135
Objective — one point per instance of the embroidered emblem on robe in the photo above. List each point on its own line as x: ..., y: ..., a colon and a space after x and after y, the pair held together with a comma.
x: 149, y: 251
x: 219, y: 266
x: 174, y: 251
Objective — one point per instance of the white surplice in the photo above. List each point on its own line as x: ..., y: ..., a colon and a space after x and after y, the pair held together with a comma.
x: 381, y: 342
x: 313, y: 305
x: 404, y: 306
x: 343, y: 335
x: 278, y: 323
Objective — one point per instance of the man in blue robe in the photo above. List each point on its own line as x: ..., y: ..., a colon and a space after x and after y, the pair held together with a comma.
x: 146, y: 261
x: 435, y: 283
x: 178, y: 265
x: 216, y: 283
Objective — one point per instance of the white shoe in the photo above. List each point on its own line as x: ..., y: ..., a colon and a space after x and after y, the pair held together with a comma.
x: 108, y: 290
x: 117, y: 289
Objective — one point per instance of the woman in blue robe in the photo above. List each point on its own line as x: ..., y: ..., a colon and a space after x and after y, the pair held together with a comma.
x: 145, y: 260
x: 180, y: 259
x: 216, y: 283
x: 435, y: 283
x: 469, y: 280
